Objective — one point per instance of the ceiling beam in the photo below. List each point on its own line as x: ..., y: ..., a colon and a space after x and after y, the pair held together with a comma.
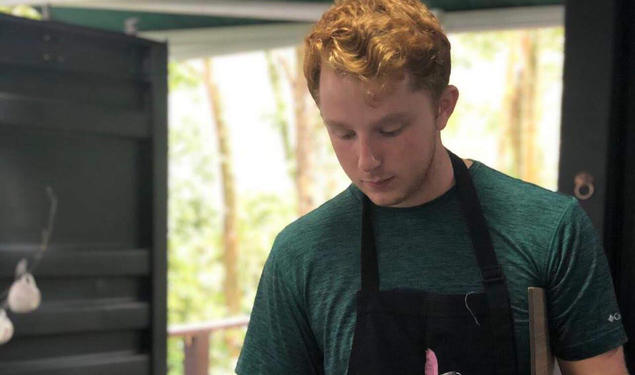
x: 301, y: 11
x: 502, y: 18
x: 193, y: 43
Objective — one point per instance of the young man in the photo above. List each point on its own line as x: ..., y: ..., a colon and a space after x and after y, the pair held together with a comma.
x: 422, y: 265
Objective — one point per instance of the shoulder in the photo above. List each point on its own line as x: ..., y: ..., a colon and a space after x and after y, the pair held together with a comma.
x: 321, y: 229
x: 511, y: 201
x: 532, y: 227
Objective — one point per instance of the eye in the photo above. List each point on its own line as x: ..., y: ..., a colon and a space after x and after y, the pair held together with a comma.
x: 345, y: 135
x: 341, y: 133
x: 391, y: 132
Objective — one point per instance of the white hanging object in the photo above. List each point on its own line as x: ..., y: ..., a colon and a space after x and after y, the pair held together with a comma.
x: 6, y: 327
x: 21, y: 268
x: 24, y: 296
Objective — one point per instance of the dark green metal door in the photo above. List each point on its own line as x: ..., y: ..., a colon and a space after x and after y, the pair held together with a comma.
x: 84, y: 112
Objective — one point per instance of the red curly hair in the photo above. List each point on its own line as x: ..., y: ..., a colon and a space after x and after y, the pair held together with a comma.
x: 378, y: 41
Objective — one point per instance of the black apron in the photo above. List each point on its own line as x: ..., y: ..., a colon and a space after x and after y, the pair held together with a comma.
x: 470, y: 334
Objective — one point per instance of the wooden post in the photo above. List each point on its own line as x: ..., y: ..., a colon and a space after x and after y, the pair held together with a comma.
x: 197, y: 354
x: 542, y: 361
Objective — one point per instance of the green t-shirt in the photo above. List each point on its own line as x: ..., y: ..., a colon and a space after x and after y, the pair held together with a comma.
x: 304, y: 313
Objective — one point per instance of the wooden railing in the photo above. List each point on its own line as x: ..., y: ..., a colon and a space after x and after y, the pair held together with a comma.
x: 196, y: 338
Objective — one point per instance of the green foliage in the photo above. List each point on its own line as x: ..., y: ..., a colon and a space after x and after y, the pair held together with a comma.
x: 192, y: 222
x: 175, y: 356
x: 21, y: 11
x: 195, y: 270
x: 481, y: 60
x: 192, y: 238
x: 278, y: 118
x: 478, y: 46
x: 182, y: 75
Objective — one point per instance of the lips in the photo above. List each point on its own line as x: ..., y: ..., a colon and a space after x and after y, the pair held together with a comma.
x: 376, y: 183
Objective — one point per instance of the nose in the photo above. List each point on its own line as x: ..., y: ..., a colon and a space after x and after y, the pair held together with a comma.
x: 368, y: 158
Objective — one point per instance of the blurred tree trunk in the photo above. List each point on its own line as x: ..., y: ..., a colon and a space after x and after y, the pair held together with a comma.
x: 230, y: 236
x: 280, y: 121
x: 518, y: 142
x: 509, y: 142
x: 301, y: 157
x: 303, y: 134
x: 530, y: 154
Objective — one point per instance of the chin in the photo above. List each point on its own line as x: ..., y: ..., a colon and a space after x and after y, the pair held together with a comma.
x: 384, y: 200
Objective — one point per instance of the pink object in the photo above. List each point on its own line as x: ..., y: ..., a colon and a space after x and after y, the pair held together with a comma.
x: 432, y: 365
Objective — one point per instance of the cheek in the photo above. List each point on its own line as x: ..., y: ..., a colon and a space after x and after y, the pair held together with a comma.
x: 411, y: 150
x: 345, y: 154
x: 403, y: 147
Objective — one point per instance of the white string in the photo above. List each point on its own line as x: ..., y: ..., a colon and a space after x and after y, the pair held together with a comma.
x: 470, y: 310
x: 46, y: 235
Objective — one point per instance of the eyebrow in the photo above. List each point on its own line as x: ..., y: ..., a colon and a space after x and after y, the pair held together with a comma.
x: 389, y: 118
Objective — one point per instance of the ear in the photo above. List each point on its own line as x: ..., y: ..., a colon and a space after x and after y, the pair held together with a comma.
x: 445, y: 106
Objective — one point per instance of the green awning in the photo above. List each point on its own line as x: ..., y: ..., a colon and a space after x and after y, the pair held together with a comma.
x: 115, y: 20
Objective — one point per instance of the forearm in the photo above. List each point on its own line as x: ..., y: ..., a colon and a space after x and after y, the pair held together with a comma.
x: 609, y: 363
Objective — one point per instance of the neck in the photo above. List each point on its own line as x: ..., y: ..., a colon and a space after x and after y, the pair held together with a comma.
x: 440, y: 176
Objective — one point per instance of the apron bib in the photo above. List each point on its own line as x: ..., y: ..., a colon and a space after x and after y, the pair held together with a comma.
x: 408, y: 331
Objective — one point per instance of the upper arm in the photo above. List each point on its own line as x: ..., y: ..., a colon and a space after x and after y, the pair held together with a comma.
x: 279, y: 338
x: 609, y: 363
x: 584, y: 319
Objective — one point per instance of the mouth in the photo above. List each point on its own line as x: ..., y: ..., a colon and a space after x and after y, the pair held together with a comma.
x: 377, y: 183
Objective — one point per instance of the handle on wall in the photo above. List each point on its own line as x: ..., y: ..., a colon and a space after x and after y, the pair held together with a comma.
x: 583, y: 187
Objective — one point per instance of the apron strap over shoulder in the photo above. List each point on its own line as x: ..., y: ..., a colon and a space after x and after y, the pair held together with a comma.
x: 493, y: 277
x: 370, y: 268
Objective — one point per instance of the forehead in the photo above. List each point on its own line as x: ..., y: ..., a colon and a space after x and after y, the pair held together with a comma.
x: 342, y: 96
x: 373, y: 91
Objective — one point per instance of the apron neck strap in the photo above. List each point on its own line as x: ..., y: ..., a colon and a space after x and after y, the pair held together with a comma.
x: 501, y: 323
x: 370, y: 269
x: 477, y: 226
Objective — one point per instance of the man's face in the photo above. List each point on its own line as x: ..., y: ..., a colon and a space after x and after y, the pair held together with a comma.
x: 388, y: 145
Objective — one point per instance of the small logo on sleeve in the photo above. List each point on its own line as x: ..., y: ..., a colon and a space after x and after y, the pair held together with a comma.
x: 615, y: 317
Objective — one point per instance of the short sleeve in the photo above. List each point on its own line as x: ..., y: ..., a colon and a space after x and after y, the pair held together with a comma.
x: 584, y: 318
x: 279, y: 339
